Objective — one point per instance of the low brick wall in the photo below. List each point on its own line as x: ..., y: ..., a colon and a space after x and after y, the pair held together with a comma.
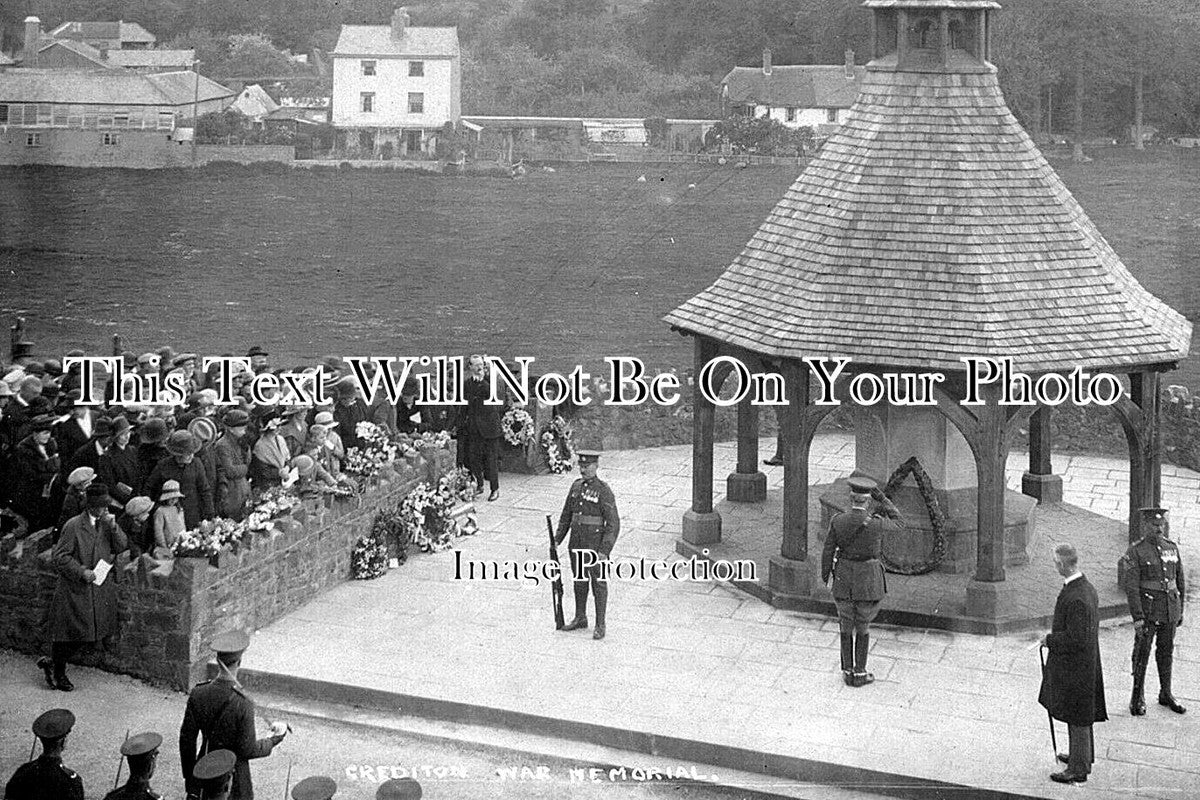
x: 170, y: 611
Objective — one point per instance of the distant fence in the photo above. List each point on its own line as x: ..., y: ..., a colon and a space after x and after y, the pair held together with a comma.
x: 650, y: 156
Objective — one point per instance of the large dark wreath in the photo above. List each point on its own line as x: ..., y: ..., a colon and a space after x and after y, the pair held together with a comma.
x: 937, y: 518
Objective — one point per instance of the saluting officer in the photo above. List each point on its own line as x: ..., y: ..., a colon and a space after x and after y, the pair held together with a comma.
x: 142, y: 753
x: 590, y: 516
x: 45, y: 778
x: 853, y: 547
x: 1152, y: 577
x: 220, y: 711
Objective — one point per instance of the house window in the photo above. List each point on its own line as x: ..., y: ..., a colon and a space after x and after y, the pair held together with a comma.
x: 3, y: 114
x: 368, y: 68
x: 33, y: 140
x: 831, y: 115
x: 368, y: 102
x: 166, y: 120
x: 791, y: 114
x: 416, y: 69
x: 416, y: 102
x: 109, y: 139
x: 121, y: 118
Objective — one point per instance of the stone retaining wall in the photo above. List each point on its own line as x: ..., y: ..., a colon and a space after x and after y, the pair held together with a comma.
x: 169, y: 612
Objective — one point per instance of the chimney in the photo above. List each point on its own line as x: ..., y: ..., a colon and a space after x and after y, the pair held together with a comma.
x: 766, y: 61
x: 33, y: 37
x: 399, y: 22
x: 849, y: 65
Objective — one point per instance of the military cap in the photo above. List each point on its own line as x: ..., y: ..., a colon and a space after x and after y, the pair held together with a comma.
x: 399, y: 789
x: 231, y: 642
x: 1153, y: 514
x: 142, y: 744
x: 588, y: 456
x: 318, y: 787
x: 216, y: 764
x: 860, y: 485
x: 55, y: 723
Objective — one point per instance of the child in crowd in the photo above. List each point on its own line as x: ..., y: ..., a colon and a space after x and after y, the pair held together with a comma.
x: 168, y: 518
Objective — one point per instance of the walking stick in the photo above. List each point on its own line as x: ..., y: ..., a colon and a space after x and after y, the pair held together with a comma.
x: 287, y: 784
x: 33, y: 748
x: 1049, y: 716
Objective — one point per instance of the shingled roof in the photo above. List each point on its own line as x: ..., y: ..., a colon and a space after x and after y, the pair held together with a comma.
x: 930, y: 227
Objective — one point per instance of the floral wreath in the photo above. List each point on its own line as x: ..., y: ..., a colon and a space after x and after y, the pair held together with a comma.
x: 558, y: 446
x: 426, y: 517
x: 518, y: 427
x: 369, y: 558
x: 937, y: 519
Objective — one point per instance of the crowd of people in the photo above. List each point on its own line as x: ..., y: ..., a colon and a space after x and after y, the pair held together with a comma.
x: 169, y: 467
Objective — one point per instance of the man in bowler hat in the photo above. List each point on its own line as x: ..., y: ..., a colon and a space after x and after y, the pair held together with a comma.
x: 46, y: 778
x: 1151, y: 573
x: 590, y: 516
x: 220, y: 711
x: 1073, y: 682
x: 853, y: 547
x: 141, y: 751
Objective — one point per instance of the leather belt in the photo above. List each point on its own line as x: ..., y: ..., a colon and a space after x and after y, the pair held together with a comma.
x: 858, y: 560
x: 589, y: 519
x: 1156, y: 586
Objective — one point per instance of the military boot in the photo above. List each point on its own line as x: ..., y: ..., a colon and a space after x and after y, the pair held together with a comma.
x: 848, y: 658
x: 601, y: 594
x: 862, y: 643
x: 1165, y: 698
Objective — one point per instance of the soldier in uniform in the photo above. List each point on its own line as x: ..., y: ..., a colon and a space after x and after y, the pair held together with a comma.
x: 220, y: 711
x: 590, y: 516
x: 212, y: 776
x: 45, y: 778
x: 317, y: 787
x: 142, y: 753
x: 852, y: 556
x: 1152, y: 576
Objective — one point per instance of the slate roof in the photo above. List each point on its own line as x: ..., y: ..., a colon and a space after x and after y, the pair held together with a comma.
x: 121, y: 31
x: 801, y: 86
x: 111, y: 87
x: 79, y: 48
x: 927, y: 228
x: 151, y: 58
x: 376, y: 40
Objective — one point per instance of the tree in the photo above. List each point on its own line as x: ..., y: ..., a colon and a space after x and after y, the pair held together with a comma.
x: 759, y: 136
x: 253, y: 57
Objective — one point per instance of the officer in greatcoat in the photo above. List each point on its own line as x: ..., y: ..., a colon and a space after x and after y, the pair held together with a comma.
x: 1151, y: 574
x: 853, y: 547
x: 141, y: 751
x: 84, y: 607
x: 46, y: 778
x: 590, y: 516
x: 220, y: 712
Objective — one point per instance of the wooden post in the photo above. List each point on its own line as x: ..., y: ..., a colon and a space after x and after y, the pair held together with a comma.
x: 991, y: 454
x: 1145, y: 456
x: 1039, y: 481
x: 790, y: 574
x: 702, y: 525
x: 747, y: 484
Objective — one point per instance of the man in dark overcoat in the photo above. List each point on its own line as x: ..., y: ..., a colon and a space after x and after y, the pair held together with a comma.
x: 590, y: 516
x: 182, y: 465
x: 46, y: 777
x: 81, y: 611
x: 1073, y: 681
x: 221, y: 713
x: 1151, y: 573
x: 480, y: 427
x: 852, y: 556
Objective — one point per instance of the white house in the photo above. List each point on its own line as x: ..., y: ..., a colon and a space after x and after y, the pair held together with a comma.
x: 395, y: 84
x: 812, y: 95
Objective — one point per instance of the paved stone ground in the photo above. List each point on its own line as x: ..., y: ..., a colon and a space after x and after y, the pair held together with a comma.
x: 707, y: 662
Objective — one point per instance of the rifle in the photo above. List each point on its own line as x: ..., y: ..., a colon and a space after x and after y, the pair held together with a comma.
x: 556, y: 586
x: 120, y: 763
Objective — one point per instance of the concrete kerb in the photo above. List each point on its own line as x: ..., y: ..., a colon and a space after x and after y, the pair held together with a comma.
x: 792, y: 768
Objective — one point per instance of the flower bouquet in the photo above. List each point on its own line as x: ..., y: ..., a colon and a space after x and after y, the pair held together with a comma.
x: 207, y: 539
x: 369, y: 558
x: 518, y: 427
x: 558, y: 445
x: 378, y: 451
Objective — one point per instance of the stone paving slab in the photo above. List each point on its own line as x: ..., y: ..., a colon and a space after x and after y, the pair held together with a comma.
x: 708, y: 663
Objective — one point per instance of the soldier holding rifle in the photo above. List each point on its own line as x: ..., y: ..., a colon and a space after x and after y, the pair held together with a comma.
x: 590, y: 516
x: 852, y: 553
x: 1151, y: 574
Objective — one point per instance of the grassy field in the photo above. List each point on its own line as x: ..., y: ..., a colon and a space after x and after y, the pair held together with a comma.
x: 567, y: 266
